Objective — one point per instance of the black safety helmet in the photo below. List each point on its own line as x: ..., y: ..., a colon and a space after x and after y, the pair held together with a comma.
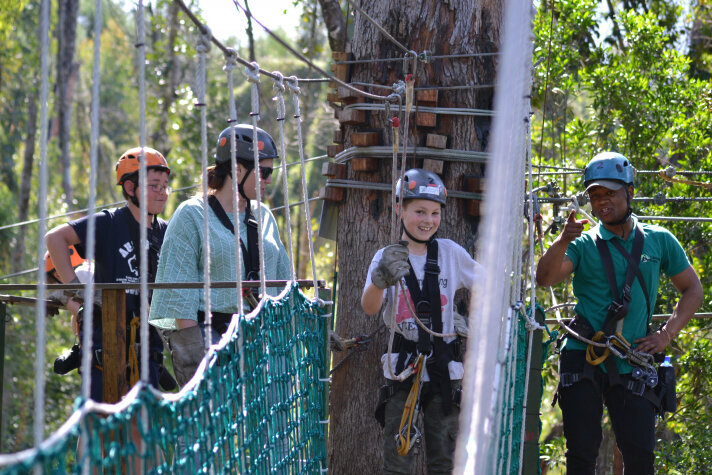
x: 243, y: 145
x: 421, y: 184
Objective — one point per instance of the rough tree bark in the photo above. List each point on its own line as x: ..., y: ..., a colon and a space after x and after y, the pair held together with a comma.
x: 66, y: 68
x: 335, y: 24
x: 442, y: 28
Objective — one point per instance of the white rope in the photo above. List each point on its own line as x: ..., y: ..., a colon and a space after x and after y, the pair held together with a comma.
x: 253, y: 76
x: 492, y: 302
x: 202, y: 48
x: 281, y: 115
x: 230, y: 64
x: 143, y: 210
x: 293, y: 85
x: 38, y: 427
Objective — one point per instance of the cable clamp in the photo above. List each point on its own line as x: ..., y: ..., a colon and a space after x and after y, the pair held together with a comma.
x: 406, y: 57
x: 670, y: 171
x: 659, y: 198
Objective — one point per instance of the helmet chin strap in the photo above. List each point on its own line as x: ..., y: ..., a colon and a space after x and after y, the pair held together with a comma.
x: 413, y: 238
x: 240, y: 186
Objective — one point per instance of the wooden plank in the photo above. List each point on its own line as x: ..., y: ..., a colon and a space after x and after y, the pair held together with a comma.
x: 352, y: 117
x: 364, y: 164
x: 349, y: 96
x: 436, y: 141
x: 332, y: 150
x: 332, y: 193
x: 333, y: 170
x: 340, y: 56
x: 113, y: 353
x: 427, y: 97
x: 435, y: 166
x: 338, y: 136
x: 364, y: 139
x: 426, y: 119
x: 332, y: 97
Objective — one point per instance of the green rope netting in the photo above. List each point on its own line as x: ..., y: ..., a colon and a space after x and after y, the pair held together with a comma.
x: 513, y: 387
x: 260, y: 407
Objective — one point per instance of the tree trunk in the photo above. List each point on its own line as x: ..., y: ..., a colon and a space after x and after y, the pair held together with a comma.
x: 335, y: 24
x: 171, y: 70
x: 18, y: 260
x: 66, y: 37
x: 442, y: 28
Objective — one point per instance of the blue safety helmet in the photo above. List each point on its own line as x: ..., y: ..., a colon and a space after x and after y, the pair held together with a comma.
x: 421, y: 184
x: 608, y: 169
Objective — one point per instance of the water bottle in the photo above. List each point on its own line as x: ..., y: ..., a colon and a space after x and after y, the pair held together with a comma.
x: 667, y: 378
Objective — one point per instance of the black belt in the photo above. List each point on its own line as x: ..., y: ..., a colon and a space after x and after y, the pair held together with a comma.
x: 220, y: 320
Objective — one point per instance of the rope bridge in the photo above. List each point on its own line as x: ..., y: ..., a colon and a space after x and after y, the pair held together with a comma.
x: 257, y: 405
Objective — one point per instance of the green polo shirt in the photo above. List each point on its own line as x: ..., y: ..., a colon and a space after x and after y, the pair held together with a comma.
x: 661, y: 251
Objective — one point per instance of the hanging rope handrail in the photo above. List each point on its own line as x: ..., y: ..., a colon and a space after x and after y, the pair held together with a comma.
x: 159, y: 285
x: 436, y: 110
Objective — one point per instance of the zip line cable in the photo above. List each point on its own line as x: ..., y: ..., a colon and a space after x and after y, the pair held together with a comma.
x: 301, y: 57
x: 378, y: 27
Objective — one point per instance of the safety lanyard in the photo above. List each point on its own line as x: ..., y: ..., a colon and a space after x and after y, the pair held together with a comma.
x: 250, y: 254
x: 619, y: 307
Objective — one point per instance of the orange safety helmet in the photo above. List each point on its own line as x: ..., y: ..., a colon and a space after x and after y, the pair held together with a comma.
x: 74, y: 257
x: 128, y: 163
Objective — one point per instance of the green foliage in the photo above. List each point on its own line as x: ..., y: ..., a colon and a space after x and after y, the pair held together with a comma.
x: 635, y: 92
x: 170, y: 110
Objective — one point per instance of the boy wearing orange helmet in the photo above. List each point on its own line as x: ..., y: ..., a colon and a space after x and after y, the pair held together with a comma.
x: 117, y: 251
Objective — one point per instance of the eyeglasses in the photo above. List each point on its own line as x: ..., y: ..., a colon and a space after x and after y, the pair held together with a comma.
x: 156, y: 188
x: 265, y: 172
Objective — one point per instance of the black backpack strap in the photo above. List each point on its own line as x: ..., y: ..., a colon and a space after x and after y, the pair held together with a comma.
x: 634, y: 262
x: 250, y: 254
x: 618, y: 309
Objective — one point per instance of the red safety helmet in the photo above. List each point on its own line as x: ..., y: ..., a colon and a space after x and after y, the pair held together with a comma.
x: 128, y: 164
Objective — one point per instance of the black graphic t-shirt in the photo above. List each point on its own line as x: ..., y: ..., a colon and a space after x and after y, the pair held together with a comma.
x: 117, y: 257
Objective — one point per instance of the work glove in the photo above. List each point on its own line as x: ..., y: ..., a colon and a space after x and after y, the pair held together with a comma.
x: 392, y: 267
x: 187, y: 351
x: 460, y: 323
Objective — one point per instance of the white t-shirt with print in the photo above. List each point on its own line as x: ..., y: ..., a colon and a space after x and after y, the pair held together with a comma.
x: 457, y: 271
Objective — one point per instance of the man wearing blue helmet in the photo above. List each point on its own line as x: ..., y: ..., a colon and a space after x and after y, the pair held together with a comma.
x: 616, y: 270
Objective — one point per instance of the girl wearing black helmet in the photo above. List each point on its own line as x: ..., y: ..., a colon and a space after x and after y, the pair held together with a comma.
x: 179, y: 313
x: 431, y: 271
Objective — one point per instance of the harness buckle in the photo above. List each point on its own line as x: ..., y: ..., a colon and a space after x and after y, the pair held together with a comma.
x: 569, y: 379
x: 637, y: 387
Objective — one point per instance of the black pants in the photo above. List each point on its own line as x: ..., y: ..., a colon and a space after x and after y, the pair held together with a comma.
x: 632, y: 417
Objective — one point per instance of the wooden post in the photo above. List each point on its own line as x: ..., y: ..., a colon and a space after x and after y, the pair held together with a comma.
x: 113, y: 321
x: 3, y: 313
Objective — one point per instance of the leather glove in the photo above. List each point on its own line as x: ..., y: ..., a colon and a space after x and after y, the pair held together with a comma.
x: 187, y: 351
x: 460, y: 323
x: 392, y: 267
